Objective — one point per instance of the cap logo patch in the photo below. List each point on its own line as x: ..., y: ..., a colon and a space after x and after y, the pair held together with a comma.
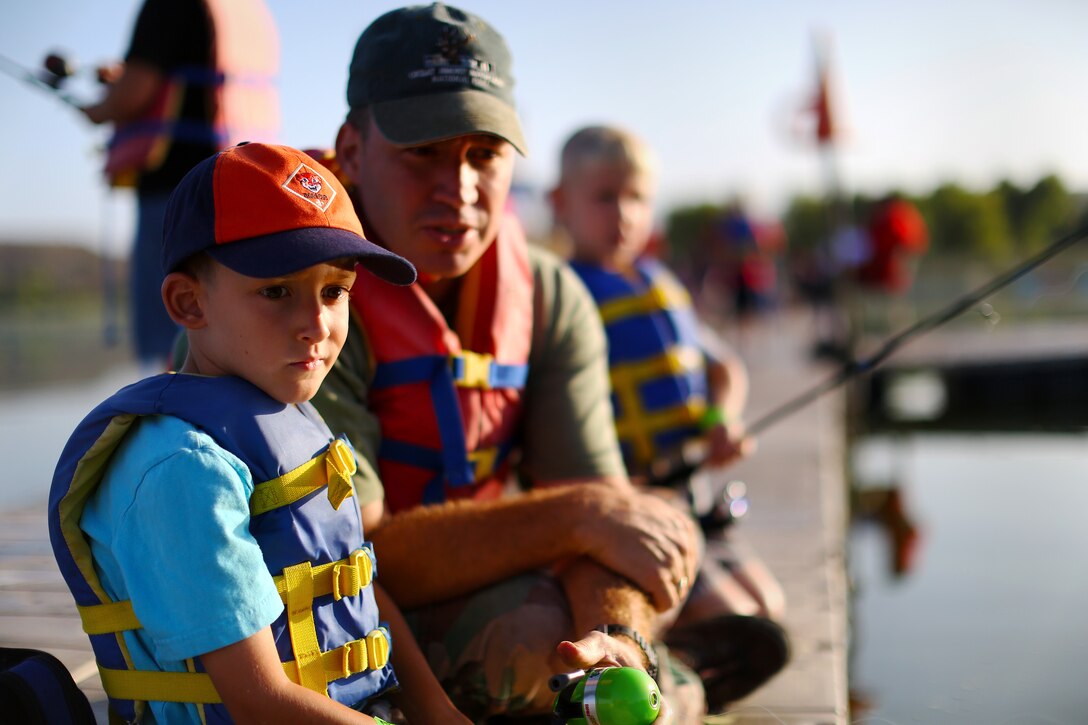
x: 452, y: 42
x: 306, y: 183
x: 451, y: 64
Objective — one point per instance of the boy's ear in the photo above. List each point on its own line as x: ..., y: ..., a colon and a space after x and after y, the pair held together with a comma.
x: 182, y: 296
x: 348, y: 142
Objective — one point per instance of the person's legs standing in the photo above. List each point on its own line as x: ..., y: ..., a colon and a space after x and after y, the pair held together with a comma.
x: 153, y: 332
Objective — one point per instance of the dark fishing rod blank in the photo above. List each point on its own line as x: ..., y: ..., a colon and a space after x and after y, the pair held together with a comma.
x: 854, y: 368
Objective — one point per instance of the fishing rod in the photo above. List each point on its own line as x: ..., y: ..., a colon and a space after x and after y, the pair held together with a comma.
x: 56, y: 69
x: 720, y: 513
x: 854, y: 368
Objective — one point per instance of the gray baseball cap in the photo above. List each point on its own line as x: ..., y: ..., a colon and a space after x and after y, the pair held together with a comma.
x: 434, y: 72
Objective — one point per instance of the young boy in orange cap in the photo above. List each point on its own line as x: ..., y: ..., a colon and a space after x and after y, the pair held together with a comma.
x: 205, y: 520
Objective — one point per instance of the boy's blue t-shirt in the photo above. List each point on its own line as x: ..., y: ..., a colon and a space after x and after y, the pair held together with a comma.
x: 169, y: 529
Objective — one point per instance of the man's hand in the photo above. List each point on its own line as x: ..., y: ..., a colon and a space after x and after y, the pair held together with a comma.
x: 597, y: 649
x: 636, y: 535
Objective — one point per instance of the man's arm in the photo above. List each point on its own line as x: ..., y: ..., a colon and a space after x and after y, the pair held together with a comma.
x: 129, y: 96
x: 632, y: 534
x: 568, y: 432
x: 165, y: 34
x: 599, y: 596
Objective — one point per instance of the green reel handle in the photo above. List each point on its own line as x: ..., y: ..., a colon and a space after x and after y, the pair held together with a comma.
x: 606, y: 696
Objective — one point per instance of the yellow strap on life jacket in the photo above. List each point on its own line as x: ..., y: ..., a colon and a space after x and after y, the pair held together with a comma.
x: 636, y: 426
x: 369, y: 653
x: 108, y: 618
x: 344, y: 578
x: 477, y: 370
x: 333, y: 468
x: 674, y: 361
x: 662, y: 296
x: 142, y: 685
x: 299, y: 581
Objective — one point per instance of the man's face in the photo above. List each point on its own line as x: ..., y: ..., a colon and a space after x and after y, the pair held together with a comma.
x: 439, y: 205
x: 281, y: 334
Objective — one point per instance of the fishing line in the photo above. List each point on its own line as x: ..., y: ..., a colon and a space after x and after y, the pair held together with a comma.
x: 854, y: 368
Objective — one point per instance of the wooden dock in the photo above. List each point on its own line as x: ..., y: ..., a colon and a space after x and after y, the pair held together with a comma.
x: 797, y: 524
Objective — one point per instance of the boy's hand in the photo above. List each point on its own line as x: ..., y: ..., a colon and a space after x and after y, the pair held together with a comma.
x: 727, y: 444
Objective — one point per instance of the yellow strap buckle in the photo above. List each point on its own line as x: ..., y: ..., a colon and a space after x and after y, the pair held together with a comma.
x: 351, y: 658
x: 377, y: 648
x: 340, y: 467
x: 349, y: 578
x: 355, y: 658
x: 333, y: 468
x: 658, y: 299
x: 477, y: 370
x: 484, y: 460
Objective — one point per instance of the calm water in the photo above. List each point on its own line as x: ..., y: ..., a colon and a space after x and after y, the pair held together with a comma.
x: 35, y: 425
x: 991, y: 624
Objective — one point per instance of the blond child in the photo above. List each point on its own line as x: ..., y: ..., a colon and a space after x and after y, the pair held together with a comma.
x: 669, y: 393
x: 205, y: 520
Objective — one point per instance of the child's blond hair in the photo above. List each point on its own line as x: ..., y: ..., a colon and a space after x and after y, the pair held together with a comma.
x: 605, y: 145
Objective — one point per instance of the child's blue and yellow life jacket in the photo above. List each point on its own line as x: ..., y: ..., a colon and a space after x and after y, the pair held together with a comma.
x: 329, y: 636
x: 656, y: 364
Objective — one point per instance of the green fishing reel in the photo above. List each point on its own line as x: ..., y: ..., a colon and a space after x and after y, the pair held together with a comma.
x: 606, y: 696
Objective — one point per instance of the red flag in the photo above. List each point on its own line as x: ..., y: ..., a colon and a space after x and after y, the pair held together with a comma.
x: 826, y: 129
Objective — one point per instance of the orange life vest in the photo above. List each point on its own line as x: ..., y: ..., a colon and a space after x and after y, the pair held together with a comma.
x: 449, y: 400
x: 243, y: 104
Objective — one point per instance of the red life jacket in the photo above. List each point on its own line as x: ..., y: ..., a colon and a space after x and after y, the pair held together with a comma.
x: 243, y: 104
x: 449, y: 400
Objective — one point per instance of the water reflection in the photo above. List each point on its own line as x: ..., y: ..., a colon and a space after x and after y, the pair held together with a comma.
x: 988, y: 626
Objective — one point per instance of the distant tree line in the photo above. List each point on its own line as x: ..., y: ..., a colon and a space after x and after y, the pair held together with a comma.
x: 1005, y: 222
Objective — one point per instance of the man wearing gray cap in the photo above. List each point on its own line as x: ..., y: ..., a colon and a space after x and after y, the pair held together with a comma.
x: 492, y: 366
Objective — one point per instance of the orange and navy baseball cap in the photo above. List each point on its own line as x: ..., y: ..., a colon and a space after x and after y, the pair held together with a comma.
x: 269, y: 211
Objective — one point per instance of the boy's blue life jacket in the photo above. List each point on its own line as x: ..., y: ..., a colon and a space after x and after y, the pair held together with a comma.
x: 329, y: 636
x: 656, y: 363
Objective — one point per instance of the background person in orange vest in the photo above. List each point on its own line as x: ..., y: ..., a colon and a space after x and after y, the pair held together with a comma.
x: 897, y: 236
x: 493, y: 363
x: 197, y: 78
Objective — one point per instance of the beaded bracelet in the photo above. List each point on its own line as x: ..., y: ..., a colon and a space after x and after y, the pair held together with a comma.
x: 647, y: 651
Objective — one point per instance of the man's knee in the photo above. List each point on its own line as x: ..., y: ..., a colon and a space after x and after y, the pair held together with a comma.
x: 498, y: 650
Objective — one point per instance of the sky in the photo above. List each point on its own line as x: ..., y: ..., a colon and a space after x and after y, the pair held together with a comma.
x: 931, y: 91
